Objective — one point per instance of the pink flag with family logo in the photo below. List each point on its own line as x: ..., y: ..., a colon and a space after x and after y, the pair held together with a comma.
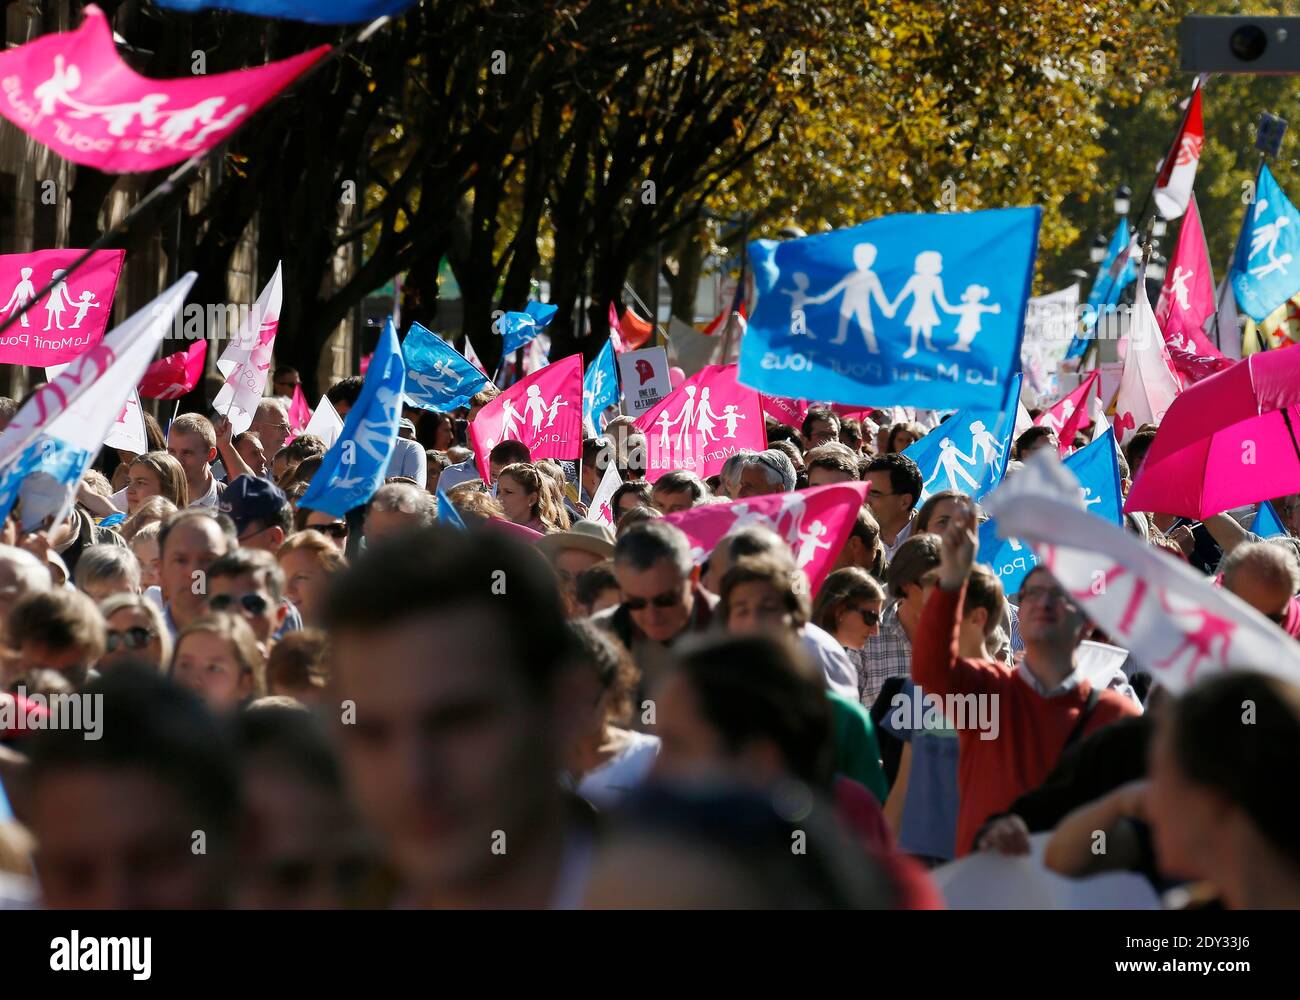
x: 72, y: 92
x: 815, y: 522
x: 176, y: 374
x: 1069, y: 415
x: 702, y: 424
x: 1187, y: 297
x: 788, y: 411
x: 543, y: 410
x: 70, y: 319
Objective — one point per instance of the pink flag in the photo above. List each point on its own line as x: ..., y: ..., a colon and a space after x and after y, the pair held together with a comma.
x: 788, y: 411
x: 1174, y: 184
x: 543, y: 410
x: 299, y: 412
x: 70, y: 319
x: 616, y: 330
x: 815, y: 522
x: 1147, y: 386
x: 72, y: 92
x: 702, y: 424
x: 1069, y: 415
x: 1192, y: 368
x: 175, y: 375
x: 1187, y: 297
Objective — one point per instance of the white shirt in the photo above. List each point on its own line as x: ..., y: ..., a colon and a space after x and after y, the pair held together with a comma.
x: 827, y: 653
x: 605, y: 786
x: 210, y: 499
x: 904, y: 533
x: 454, y: 475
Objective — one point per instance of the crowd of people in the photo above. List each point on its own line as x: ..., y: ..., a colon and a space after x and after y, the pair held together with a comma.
x: 295, y: 709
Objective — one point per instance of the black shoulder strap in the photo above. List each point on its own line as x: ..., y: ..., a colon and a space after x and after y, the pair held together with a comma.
x: 1094, y: 696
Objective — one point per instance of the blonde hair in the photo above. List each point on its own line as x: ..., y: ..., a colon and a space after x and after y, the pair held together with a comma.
x: 315, y: 542
x: 196, y: 423
x: 155, y: 510
x: 171, y: 477
x: 548, y: 508
x: 240, y: 638
x: 114, y: 603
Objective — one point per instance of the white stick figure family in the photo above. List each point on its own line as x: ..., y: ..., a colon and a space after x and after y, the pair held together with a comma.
x: 860, y: 287
x: 805, y: 540
x: 984, y: 451
x: 172, y: 125
x: 698, y: 419
x: 535, y: 410
x: 56, y: 302
x: 1263, y: 239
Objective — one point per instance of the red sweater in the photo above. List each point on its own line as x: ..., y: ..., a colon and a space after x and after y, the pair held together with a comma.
x: 1032, y: 730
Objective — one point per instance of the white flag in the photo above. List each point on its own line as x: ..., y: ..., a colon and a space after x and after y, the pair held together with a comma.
x: 1175, y: 622
x: 601, y: 509
x: 1147, y: 386
x: 81, y: 405
x: 246, y: 361
x: 325, y: 422
x: 128, y: 433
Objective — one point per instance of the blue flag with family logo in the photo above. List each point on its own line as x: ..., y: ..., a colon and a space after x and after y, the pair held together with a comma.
x: 1267, y: 524
x: 355, y: 465
x: 1118, y: 270
x: 968, y: 451
x: 1266, y: 267
x: 907, y: 310
x: 599, y: 388
x: 1097, y: 469
x: 520, y: 328
x: 313, y: 11
x: 438, y: 377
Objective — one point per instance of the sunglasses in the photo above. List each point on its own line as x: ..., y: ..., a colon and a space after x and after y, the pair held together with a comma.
x: 336, y: 530
x: 668, y: 599
x: 254, y: 603
x: 868, y: 616
x: 132, y: 638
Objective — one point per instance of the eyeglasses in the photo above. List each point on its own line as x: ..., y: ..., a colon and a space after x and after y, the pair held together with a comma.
x: 668, y: 599
x: 868, y: 616
x: 338, y: 529
x: 1044, y: 594
x: 131, y: 638
x: 254, y: 603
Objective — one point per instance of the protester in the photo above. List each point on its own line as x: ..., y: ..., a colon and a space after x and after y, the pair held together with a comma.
x: 309, y: 561
x: 528, y: 497
x: 136, y: 633
x: 445, y: 761
x: 271, y: 428
x: 629, y: 496
x: 249, y: 583
x: 334, y: 528
x: 155, y: 474
x: 571, y: 552
x: 911, y: 579
x: 896, y: 486
x: 606, y: 759
x: 104, y: 570
x: 217, y: 657
x: 188, y: 544
x: 820, y: 425
x: 21, y: 573
x: 408, y: 457
x: 862, y: 549
x: 192, y: 441
x: 260, y: 511
x: 115, y: 818
x: 144, y: 546
x: 1267, y: 577
x: 155, y: 510
x: 831, y: 463
x: 1044, y: 704
x: 296, y: 667
x: 394, y: 509
x: 848, y: 606
x: 596, y: 589
x: 60, y: 630
x: 677, y: 491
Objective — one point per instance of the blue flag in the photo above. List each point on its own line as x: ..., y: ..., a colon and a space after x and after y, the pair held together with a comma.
x: 438, y: 377
x: 448, y: 514
x: 312, y: 11
x: 45, y: 476
x: 911, y: 310
x: 1266, y: 267
x: 1097, y: 469
x: 599, y: 388
x: 519, y: 328
x: 354, y: 467
x: 968, y: 451
x: 1267, y: 524
x: 1118, y: 270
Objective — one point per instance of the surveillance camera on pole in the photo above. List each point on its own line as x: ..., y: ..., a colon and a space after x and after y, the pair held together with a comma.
x: 1258, y: 46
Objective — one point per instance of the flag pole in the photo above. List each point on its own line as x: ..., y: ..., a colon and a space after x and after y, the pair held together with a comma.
x: 179, y: 179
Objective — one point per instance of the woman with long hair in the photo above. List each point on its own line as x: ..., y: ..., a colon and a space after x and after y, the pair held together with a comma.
x: 156, y: 474
x: 531, y: 498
